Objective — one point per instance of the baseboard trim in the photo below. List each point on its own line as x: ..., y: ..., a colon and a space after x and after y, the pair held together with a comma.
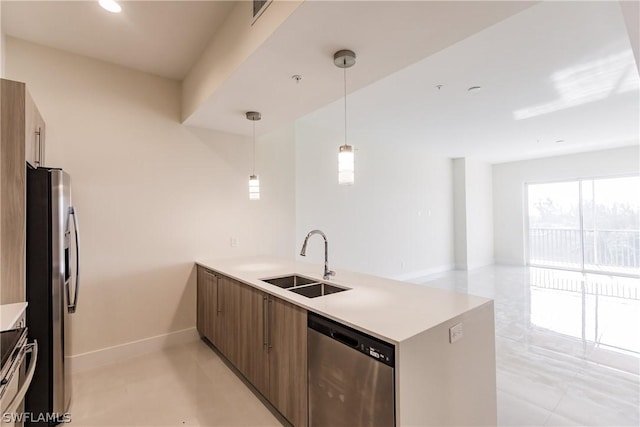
x: 480, y: 265
x: 105, y: 356
x: 423, y: 273
x: 510, y: 262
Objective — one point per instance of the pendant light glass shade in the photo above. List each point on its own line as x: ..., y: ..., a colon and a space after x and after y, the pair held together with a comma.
x: 254, y: 182
x: 254, y: 187
x: 346, y: 169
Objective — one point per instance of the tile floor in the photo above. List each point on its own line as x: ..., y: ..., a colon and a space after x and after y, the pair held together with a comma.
x: 567, y: 344
x: 567, y: 348
x: 182, y: 386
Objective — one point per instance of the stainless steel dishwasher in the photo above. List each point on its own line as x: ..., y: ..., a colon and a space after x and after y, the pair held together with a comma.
x: 351, y: 376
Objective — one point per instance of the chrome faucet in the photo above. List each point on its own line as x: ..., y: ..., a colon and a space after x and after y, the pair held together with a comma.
x: 327, y: 273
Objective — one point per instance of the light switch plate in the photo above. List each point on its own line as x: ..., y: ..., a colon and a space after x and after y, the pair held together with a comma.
x: 455, y: 333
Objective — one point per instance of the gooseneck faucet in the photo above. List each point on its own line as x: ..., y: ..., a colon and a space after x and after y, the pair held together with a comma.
x: 327, y: 273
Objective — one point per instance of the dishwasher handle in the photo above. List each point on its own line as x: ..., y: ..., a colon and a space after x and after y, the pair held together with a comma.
x: 362, y: 342
x: 345, y: 339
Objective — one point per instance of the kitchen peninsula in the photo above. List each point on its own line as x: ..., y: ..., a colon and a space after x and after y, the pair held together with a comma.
x: 444, y: 341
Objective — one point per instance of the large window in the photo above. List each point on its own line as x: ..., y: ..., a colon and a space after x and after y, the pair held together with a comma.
x: 587, y: 225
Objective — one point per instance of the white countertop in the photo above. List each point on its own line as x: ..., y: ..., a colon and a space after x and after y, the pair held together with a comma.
x: 389, y: 309
x: 10, y: 313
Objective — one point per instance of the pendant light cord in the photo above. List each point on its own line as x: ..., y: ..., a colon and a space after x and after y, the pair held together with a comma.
x: 254, y: 147
x: 345, y: 103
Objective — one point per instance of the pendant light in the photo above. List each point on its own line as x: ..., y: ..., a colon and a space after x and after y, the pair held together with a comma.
x: 346, y: 171
x: 254, y: 182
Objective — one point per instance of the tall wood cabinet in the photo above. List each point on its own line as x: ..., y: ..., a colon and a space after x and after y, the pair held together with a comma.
x: 264, y: 337
x: 21, y: 141
x: 35, y: 132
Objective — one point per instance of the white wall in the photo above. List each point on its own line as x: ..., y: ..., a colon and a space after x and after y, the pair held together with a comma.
x: 508, y: 190
x: 397, y: 220
x: 473, y: 213
x: 460, y: 213
x: 152, y: 195
x: 479, y: 211
x: 2, y: 44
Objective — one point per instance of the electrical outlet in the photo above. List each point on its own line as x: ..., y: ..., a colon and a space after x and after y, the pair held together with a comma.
x: 455, y: 333
x: 234, y: 242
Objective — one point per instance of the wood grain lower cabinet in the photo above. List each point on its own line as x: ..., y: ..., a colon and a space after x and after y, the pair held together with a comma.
x: 207, y: 283
x: 253, y: 359
x: 288, y: 360
x: 264, y: 337
x: 228, y: 319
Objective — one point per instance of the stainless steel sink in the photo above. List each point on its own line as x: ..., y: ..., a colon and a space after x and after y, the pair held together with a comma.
x: 304, y: 286
x: 317, y: 290
x: 289, y: 281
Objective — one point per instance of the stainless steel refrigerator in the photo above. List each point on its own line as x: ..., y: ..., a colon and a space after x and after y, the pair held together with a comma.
x: 52, y: 290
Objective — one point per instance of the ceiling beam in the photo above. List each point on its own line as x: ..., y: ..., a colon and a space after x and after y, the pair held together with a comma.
x: 236, y: 39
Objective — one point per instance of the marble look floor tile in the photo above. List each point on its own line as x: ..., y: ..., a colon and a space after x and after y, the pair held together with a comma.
x: 185, y: 385
x: 599, y: 395
x: 518, y: 412
x: 554, y: 337
x: 556, y: 420
x: 533, y: 374
x: 620, y: 361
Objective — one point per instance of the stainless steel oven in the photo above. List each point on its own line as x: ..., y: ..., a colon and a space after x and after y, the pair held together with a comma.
x: 15, y: 375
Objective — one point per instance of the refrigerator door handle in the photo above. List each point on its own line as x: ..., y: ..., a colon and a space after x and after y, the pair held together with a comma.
x: 72, y: 307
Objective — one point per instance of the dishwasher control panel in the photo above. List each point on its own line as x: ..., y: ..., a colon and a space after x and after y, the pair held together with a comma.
x: 376, y: 353
x: 359, y: 341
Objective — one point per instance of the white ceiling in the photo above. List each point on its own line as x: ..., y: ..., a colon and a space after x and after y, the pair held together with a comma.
x: 557, y: 71
x: 386, y: 35
x: 159, y: 37
x: 551, y: 71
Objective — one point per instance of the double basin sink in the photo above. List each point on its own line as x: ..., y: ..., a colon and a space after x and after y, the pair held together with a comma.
x: 304, y: 286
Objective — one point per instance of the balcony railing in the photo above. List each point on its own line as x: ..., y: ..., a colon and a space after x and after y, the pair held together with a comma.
x: 610, y: 250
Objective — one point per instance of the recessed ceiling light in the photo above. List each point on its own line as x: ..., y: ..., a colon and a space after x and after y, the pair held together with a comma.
x: 110, y: 5
x: 474, y: 88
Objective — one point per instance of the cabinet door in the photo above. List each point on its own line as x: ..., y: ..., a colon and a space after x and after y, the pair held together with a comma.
x: 253, y: 359
x: 34, y: 133
x: 12, y: 193
x: 207, y: 303
x: 41, y: 138
x: 227, y: 320
x: 212, y: 307
x: 201, y: 302
x: 288, y: 360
